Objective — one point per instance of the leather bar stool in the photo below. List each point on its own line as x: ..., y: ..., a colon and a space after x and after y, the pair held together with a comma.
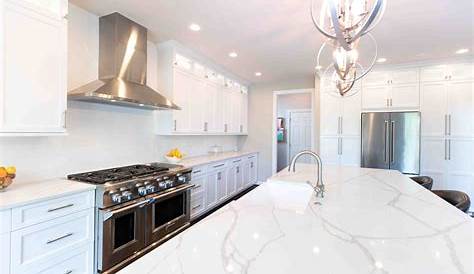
x: 425, y: 181
x: 456, y: 198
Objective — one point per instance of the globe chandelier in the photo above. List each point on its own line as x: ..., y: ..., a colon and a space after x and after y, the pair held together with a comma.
x: 349, y: 51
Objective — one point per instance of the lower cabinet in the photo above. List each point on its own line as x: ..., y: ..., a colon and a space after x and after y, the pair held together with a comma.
x: 59, y: 243
x: 218, y: 182
x: 340, y: 150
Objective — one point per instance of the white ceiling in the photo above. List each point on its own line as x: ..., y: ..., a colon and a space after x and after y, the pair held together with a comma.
x: 277, y: 37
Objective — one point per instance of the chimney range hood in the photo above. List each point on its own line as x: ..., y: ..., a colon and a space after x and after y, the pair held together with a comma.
x: 122, y: 68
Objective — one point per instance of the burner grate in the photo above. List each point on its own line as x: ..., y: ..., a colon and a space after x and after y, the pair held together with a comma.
x: 116, y: 174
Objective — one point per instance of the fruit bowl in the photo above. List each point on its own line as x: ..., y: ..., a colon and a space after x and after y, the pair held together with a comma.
x: 6, y: 181
x: 173, y: 160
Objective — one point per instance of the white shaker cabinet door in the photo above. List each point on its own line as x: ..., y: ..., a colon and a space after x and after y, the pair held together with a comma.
x: 329, y: 148
x: 181, y: 91
x: 231, y: 180
x: 375, y: 97
x: 244, y: 113
x: 434, y: 73
x: 350, y: 151
x: 228, y: 109
x: 460, y: 169
x: 463, y: 71
x: 330, y: 114
x: 433, y: 109
x: 404, y: 76
x: 460, y: 108
x: 406, y: 96
x: 214, y: 109
x: 211, y: 190
x: 34, y: 81
x: 433, y: 160
x: 376, y: 78
x: 350, y: 118
x: 197, y: 103
x: 221, y: 185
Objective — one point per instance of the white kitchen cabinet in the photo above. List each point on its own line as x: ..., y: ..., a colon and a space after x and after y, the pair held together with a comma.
x: 329, y: 149
x: 330, y: 113
x: 210, y: 103
x: 234, y: 177
x: 461, y: 71
x: 447, y: 108
x: 341, y: 150
x: 211, y: 189
x: 433, y: 160
x: 376, y: 97
x: 394, y: 77
x: 34, y: 69
x: 252, y: 161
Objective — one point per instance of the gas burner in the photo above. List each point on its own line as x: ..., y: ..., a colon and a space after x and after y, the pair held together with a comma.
x: 125, y: 184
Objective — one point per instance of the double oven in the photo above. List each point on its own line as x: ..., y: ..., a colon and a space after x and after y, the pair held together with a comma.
x: 126, y: 232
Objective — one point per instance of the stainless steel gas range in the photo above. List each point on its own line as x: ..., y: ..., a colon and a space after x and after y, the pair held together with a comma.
x: 139, y: 207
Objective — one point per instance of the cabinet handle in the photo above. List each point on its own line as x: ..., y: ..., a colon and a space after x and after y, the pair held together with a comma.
x: 196, y: 207
x: 218, y: 165
x: 68, y: 272
x: 445, y: 124
x: 219, y: 175
x: 197, y: 186
x: 238, y: 170
x: 59, y: 238
x: 340, y: 146
x: 205, y: 126
x: 65, y: 119
x: 241, y: 128
x: 236, y: 161
x: 449, y: 124
x: 174, y: 125
x: 251, y: 164
x: 59, y: 208
x: 392, y: 158
x: 445, y: 149
x: 385, y: 141
x: 197, y: 171
x: 391, y: 102
x: 449, y: 149
x: 225, y: 127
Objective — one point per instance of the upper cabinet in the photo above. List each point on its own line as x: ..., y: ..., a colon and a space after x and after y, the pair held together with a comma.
x: 210, y: 102
x: 33, y: 68
x: 391, y: 90
x: 463, y: 71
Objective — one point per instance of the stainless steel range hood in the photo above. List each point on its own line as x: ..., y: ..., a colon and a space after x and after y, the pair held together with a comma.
x: 122, y: 67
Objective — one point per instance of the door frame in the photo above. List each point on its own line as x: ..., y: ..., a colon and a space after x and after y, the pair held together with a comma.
x: 288, y: 113
x: 275, y: 114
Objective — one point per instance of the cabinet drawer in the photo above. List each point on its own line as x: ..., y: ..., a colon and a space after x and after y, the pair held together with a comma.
x: 54, y: 208
x: 199, y: 184
x: 197, y: 203
x: 37, y: 245
x: 199, y: 170
x: 218, y: 165
x: 79, y: 261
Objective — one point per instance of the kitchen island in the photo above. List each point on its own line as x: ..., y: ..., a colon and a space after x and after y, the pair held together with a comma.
x: 370, y: 221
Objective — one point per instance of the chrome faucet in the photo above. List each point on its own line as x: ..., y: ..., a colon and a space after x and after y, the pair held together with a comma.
x: 319, y: 188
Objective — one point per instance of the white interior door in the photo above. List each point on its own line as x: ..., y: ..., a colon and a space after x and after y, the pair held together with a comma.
x: 299, y: 133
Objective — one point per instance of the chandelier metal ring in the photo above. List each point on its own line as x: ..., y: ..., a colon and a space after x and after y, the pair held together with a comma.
x: 367, y: 70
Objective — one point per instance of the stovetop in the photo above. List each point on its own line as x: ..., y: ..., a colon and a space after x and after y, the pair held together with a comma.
x: 111, y: 175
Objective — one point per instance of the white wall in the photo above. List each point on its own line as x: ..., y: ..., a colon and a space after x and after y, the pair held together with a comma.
x: 100, y: 136
x: 284, y: 104
x: 261, y: 120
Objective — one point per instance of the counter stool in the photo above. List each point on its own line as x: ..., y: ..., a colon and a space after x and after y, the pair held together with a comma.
x: 425, y: 181
x: 456, y: 198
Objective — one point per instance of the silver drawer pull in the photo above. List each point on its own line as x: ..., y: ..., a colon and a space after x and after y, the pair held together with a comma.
x: 219, y: 165
x: 197, y: 171
x: 59, y: 238
x: 196, y: 186
x: 59, y: 208
x: 236, y: 161
x: 170, y: 225
x: 196, y: 207
x: 68, y: 272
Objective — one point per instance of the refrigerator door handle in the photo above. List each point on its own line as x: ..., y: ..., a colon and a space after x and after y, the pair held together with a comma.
x: 385, y: 141
x: 449, y: 149
x: 392, y: 158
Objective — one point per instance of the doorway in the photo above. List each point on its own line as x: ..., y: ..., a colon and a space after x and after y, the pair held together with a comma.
x: 293, y: 126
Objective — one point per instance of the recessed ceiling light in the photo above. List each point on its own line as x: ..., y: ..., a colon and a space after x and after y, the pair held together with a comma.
x: 258, y: 74
x: 318, y: 67
x: 462, y: 51
x: 233, y: 54
x: 194, y: 27
x: 381, y: 60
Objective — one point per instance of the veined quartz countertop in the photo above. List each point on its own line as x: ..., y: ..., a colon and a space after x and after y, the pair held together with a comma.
x: 26, y: 193
x: 370, y: 221
x: 212, y: 158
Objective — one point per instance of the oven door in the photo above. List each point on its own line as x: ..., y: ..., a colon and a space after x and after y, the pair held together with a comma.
x: 168, y: 212
x: 123, y: 233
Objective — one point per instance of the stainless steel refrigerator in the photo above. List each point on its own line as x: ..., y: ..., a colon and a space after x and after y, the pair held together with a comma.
x: 391, y: 140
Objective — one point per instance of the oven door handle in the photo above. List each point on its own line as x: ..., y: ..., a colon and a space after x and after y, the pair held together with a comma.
x: 109, y: 214
x: 162, y: 195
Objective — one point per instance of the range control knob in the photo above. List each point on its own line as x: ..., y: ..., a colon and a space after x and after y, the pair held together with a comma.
x: 162, y: 184
x: 116, y: 198
x: 123, y: 189
x: 169, y: 183
x: 182, y: 179
x: 127, y: 195
x: 150, y: 188
x: 142, y: 191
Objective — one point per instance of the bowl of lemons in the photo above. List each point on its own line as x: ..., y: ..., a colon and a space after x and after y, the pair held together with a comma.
x: 174, y: 156
x: 7, y: 174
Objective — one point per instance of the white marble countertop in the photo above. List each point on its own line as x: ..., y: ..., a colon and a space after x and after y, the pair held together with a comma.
x: 370, y: 221
x: 25, y: 193
x: 211, y: 158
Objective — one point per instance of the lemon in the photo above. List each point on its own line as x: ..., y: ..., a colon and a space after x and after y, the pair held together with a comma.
x: 10, y: 170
